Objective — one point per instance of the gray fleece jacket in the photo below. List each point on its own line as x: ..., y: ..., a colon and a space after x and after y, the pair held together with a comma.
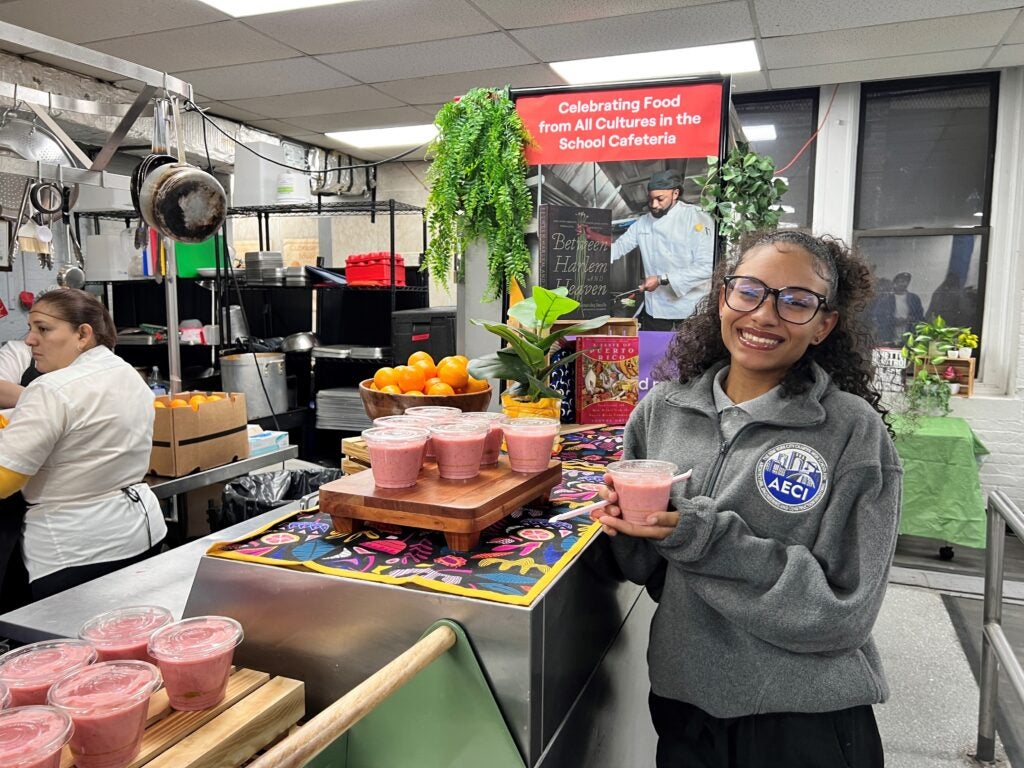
x: 778, y: 566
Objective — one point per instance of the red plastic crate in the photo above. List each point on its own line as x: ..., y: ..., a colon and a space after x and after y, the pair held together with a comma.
x: 374, y: 269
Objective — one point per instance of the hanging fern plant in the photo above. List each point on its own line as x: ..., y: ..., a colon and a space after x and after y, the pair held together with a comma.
x: 742, y: 194
x: 477, y: 181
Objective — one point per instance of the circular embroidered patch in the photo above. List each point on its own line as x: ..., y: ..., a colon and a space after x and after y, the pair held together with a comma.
x: 792, y: 477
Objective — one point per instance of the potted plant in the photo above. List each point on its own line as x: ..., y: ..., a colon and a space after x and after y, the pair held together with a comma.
x: 477, y: 182
x: 525, y: 360
x: 966, y: 343
x: 742, y: 193
x: 930, y: 342
x: 925, y: 347
x: 951, y: 377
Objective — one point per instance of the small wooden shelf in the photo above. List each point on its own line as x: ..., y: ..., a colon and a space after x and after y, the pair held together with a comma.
x: 964, y: 370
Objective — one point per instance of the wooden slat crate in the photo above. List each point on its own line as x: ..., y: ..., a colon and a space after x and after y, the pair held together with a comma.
x: 256, y: 711
x: 355, y: 456
x: 964, y: 370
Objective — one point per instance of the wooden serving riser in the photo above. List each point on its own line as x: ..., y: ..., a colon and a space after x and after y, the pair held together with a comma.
x: 461, y: 509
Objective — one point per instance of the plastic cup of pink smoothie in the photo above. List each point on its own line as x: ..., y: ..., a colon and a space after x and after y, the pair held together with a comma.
x: 108, y: 703
x: 194, y: 656
x: 459, y: 445
x: 492, y: 445
x: 29, y: 671
x: 529, y: 442
x: 396, y: 454
x: 124, y: 633
x: 33, y: 736
x: 643, y: 487
x: 435, y: 414
x: 5, y: 696
x: 401, y: 420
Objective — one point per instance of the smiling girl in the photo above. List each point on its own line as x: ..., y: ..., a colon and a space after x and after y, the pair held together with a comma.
x: 772, y: 563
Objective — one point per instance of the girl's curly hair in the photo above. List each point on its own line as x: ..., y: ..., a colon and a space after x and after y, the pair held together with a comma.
x: 845, y: 354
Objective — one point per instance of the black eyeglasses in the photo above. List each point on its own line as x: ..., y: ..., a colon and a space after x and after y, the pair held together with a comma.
x: 794, y: 305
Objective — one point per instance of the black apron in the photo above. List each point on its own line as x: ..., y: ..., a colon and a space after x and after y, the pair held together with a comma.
x: 13, y: 576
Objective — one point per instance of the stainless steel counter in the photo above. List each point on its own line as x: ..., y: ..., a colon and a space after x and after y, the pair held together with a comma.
x: 165, y: 487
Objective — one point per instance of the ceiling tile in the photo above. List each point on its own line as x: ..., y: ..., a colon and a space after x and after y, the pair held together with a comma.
x: 749, y: 81
x: 442, y: 88
x: 656, y: 31
x: 880, y: 69
x: 356, y: 26
x: 368, y: 118
x: 790, y: 17
x: 209, y: 45
x: 230, y: 112
x: 1008, y: 56
x: 949, y: 33
x: 265, y: 78
x: 318, y: 102
x: 1016, y: 33
x: 275, y: 126
x: 525, y: 13
x: 437, y: 57
x: 80, y: 21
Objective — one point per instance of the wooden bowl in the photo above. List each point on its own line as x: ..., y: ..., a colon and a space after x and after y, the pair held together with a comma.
x: 386, y: 404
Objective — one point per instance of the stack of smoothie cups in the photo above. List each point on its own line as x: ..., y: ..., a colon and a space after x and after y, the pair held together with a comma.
x: 33, y: 736
x: 29, y: 671
x: 108, y: 703
x: 435, y: 414
x: 401, y: 420
x: 492, y: 446
x: 194, y: 656
x: 643, y: 487
x: 124, y: 633
x: 396, y: 454
x: 529, y: 442
x: 458, y: 446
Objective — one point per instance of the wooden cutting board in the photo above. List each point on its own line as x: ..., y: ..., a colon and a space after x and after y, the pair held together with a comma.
x: 461, y: 509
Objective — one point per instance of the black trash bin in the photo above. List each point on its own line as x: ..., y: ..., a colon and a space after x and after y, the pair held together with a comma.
x: 253, y: 495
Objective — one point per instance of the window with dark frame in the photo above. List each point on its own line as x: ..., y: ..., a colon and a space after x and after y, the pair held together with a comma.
x: 778, y: 124
x: 923, y: 198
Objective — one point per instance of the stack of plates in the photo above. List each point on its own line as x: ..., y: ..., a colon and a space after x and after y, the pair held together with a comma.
x: 295, y: 276
x: 265, y: 267
x: 341, y: 408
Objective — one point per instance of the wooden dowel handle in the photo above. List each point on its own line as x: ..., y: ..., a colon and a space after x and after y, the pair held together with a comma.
x: 318, y: 733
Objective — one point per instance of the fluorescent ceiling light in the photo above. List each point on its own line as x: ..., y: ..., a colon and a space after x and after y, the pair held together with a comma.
x: 238, y: 8
x: 402, y: 136
x: 760, y: 132
x: 723, y: 57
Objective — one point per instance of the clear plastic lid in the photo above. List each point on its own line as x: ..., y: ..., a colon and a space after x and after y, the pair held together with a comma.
x: 394, y: 435
x: 435, y: 413
x: 47, y: 660
x: 30, y: 734
x: 124, y: 625
x: 108, y: 685
x: 5, y: 696
x: 461, y: 427
x: 533, y: 425
x: 401, y: 421
x: 492, y: 417
x: 199, y: 637
x: 648, y: 467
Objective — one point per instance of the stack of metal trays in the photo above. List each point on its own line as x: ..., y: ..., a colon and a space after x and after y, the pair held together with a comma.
x: 336, y: 351
x: 369, y: 353
x: 341, y: 408
x: 264, y: 268
x: 296, y: 277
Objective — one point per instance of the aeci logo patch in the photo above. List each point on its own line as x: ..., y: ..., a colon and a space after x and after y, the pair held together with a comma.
x: 792, y: 477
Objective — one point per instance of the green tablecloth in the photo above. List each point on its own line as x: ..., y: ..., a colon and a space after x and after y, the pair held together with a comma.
x: 942, y: 496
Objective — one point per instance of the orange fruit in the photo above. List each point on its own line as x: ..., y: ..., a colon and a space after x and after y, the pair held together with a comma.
x: 440, y: 388
x: 462, y: 359
x: 453, y: 373
x: 443, y: 360
x: 196, y: 400
x: 409, y: 378
x: 178, y: 403
x: 391, y: 389
x: 427, y: 366
x: 214, y: 398
x: 159, y: 404
x: 476, y: 385
x: 431, y: 380
x: 415, y: 392
x: 384, y: 376
x: 415, y: 357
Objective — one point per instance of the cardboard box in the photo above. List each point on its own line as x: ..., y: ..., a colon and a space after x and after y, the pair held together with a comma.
x: 187, y: 440
x: 607, y: 378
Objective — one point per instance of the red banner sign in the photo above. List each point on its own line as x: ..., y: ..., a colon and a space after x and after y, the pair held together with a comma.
x: 649, y: 123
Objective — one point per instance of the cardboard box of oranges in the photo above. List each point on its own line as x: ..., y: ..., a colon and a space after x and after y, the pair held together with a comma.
x: 197, y: 430
x: 421, y: 381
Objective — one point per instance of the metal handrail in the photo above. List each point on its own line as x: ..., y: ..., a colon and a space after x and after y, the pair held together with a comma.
x: 995, y: 650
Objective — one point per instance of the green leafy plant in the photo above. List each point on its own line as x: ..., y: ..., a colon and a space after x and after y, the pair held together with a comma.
x: 477, y: 182
x: 742, y: 193
x: 525, y: 359
x: 929, y: 342
x: 967, y: 339
x: 926, y: 347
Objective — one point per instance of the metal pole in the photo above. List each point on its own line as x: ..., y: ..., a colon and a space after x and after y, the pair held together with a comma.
x: 171, y: 299
x: 993, y: 609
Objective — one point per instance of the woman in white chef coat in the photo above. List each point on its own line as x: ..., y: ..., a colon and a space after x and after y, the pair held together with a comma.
x: 77, y: 447
x: 16, y: 371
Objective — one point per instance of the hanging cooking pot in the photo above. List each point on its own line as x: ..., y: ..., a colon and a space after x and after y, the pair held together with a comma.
x: 183, y: 203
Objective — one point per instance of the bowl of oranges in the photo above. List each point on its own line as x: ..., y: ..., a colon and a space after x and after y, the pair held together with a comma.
x: 421, y: 381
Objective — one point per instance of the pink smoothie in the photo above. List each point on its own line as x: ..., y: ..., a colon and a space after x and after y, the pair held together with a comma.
x: 459, y: 446
x: 124, y: 633
x: 529, y: 443
x: 5, y: 696
x: 643, y: 487
x: 29, y: 671
x: 194, y: 656
x: 401, y: 420
x: 33, y: 736
x: 435, y: 414
x: 492, y: 445
x: 396, y: 454
x: 108, y: 703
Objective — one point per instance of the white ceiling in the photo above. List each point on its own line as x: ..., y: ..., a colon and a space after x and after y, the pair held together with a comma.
x: 376, y: 63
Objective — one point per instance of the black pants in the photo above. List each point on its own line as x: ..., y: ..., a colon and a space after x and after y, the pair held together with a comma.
x: 688, y: 737
x: 648, y: 323
x: 67, y: 578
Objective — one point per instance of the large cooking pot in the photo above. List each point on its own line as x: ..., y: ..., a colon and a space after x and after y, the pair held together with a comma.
x: 251, y: 373
x: 303, y: 341
x: 183, y: 203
